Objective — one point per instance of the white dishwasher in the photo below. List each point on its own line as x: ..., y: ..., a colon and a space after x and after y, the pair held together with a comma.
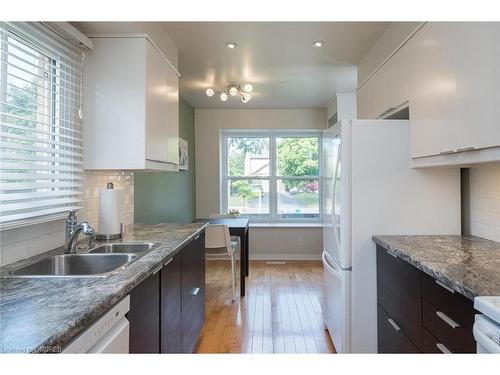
x: 109, y: 334
x: 487, y: 325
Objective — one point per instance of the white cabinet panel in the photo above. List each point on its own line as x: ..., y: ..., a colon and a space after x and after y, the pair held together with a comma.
x: 363, y: 102
x: 172, y: 116
x: 396, y: 80
x: 478, y: 83
x: 156, y: 105
x: 432, y: 91
x: 371, y: 97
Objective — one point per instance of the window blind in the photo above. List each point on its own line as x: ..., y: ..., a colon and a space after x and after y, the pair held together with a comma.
x: 41, y: 126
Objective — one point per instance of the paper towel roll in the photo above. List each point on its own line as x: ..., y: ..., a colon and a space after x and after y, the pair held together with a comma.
x: 110, y: 211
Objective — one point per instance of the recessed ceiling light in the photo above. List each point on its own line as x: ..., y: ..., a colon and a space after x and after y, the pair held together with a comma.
x: 248, y: 87
x: 318, y: 43
x: 223, y: 96
x: 231, y: 45
x: 210, y: 92
x: 233, y: 91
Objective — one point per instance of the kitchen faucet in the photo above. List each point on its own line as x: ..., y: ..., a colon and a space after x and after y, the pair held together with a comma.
x: 72, y: 233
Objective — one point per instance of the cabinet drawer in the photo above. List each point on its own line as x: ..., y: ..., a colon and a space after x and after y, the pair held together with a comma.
x: 432, y: 344
x: 391, y: 339
x: 399, y: 293
x: 453, y: 304
x: 457, y: 338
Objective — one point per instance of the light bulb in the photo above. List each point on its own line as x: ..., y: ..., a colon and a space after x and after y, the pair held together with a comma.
x: 233, y: 91
x: 231, y: 45
x: 244, y: 100
x: 223, y: 96
x: 247, y: 96
x: 318, y: 43
x: 248, y: 88
x: 210, y: 92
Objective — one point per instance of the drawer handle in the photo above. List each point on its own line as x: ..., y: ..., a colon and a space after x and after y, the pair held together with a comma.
x: 168, y: 262
x: 158, y: 269
x: 445, y: 286
x: 447, y: 319
x: 394, y: 325
x: 443, y: 349
x: 391, y: 254
x: 195, y: 291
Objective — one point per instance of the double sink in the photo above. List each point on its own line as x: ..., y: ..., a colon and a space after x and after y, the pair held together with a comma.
x: 100, y: 261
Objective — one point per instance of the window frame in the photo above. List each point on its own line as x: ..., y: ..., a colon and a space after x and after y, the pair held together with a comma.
x: 273, y: 216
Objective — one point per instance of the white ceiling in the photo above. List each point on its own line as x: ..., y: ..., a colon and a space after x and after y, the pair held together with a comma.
x: 277, y: 58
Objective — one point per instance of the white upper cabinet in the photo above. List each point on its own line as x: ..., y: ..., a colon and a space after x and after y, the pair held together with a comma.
x: 434, y: 129
x: 386, y: 90
x: 131, y: 115
x: 396, y: 80
x: 478, y: 83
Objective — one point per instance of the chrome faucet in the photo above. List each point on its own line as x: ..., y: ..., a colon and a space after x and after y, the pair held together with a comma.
x: 85, y: 228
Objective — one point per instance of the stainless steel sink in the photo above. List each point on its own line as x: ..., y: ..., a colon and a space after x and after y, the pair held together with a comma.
x: 75, y: 265
x: 124, y: 248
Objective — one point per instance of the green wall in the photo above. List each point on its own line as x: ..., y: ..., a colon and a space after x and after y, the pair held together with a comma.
x: 168, y: 196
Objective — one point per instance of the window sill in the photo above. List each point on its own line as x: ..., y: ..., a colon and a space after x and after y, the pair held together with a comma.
x: 286, y: 225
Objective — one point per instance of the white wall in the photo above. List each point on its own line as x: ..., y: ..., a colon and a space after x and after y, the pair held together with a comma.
x: 485, y: 201
x: 392, y: 37
x: 24, y: 242
x: 270, y: 243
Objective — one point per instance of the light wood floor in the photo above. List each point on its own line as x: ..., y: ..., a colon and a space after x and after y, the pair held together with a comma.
x: 281, y: 312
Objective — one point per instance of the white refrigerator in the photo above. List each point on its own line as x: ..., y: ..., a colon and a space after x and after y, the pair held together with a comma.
x: 369, y: 188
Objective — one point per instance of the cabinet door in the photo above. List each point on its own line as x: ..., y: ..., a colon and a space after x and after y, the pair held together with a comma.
x: 144, y: 316
x: 396, y: 80
x: 172, y: 116
x: 156, y: 105
x: 170, y: 306
x: 193, y: 292
x: 363, y: 100
x: 432, y: 90
x: 478, y: 59
x: 391, y: 339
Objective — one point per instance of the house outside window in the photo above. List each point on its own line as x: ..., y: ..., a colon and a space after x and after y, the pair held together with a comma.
x: 271, y: 176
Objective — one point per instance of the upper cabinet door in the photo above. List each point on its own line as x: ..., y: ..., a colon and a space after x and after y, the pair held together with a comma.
x: 396, y: 80
x: 173, y: 116
x: 478, y: 95
x: 434, y: 128
x: 371, y: 97
x: 363, y: 101
x: 156, y: 105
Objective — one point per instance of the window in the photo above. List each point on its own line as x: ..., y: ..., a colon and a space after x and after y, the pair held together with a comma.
x: 271, y: 176
x: 41, y: 130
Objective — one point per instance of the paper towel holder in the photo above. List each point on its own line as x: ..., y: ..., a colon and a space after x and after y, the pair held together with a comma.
x: 114, y: 236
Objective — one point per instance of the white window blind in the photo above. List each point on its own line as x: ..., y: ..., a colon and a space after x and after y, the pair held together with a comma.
x: 41, y: 127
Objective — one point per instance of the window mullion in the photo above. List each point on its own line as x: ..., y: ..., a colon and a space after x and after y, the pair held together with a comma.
x: 273, y: 194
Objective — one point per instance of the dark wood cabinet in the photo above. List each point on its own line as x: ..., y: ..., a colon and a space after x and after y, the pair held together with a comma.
x: 399, y: 293
x: 167, y: 309
x: 170, y: 306
x: 144, y: 316
x: 429, y: 315
x: 391, y: 339
x: 193, y: 292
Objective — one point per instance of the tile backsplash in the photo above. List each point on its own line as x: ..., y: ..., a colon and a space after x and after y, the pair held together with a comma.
x: 19, y: 243
x: 485, y: 201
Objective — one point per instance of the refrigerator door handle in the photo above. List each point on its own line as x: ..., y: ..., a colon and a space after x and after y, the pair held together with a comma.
x: 331, y: 266
x: 335, y: 233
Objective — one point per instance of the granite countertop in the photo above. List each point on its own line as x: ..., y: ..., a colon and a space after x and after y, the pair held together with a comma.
x: 469, y: 265
x: 41, y: 315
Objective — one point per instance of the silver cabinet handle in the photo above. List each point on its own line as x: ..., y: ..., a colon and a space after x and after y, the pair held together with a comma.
x: 391, y: 253
x: 198, y: 236
x: 445, y: 286
x: 447, y: 319
x: 466, y: 149
x: 195, y: 291
x: 394, y: 325
x: 442, y: 348
x: 158, y: 269
x: 445, y: 152
x: 168, y: 262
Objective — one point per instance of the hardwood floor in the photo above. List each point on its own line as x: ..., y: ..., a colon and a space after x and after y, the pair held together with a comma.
x: 281, y: 312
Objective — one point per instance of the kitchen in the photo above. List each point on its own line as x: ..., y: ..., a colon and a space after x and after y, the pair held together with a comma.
x: 270, y: 188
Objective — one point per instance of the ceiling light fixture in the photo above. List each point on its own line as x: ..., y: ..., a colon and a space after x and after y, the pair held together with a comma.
x: 318, y: 43
x: 248, y: 87
x: 231, y: 45
x: 232, y: 90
